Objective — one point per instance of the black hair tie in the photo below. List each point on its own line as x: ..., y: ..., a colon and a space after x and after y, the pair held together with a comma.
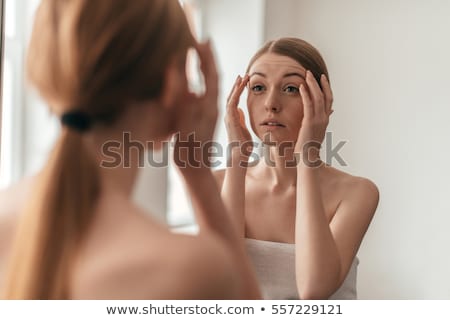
x: 78, y: 120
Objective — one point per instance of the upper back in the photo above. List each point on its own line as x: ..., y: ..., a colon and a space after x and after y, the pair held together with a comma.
x: 128, y: 255
x: 135, y: 258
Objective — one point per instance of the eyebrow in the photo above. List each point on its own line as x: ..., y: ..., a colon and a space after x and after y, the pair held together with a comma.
x: 290, y: 74
x: 294, y: 74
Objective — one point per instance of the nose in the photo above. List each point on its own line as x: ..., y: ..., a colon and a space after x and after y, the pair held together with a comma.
x: 272, y: 103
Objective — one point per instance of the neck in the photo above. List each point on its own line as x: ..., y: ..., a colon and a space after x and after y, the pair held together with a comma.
x: 118, y: 166
x: 281, y: 165
x: 121, y: 149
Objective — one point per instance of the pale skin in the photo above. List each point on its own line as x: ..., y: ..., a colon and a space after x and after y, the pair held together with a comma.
x: 127, y: 254
x: 323, y: 211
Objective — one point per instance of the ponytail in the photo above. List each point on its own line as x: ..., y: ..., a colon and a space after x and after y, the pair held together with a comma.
x: 87, y: 61
x: 54, y: 222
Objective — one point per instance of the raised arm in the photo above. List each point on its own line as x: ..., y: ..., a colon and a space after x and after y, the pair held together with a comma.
x: 325, y: 251
x: 240, y: 145
x: 200, y: 117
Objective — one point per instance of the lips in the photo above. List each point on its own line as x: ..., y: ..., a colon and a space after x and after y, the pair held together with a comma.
x: 272, y: 123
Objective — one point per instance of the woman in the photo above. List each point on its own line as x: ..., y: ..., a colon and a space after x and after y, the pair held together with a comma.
x: 305, y: 220
x: 107, y: 68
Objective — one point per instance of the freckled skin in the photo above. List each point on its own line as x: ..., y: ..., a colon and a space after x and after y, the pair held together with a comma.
x: 272, y: 94
x: 323, y: 211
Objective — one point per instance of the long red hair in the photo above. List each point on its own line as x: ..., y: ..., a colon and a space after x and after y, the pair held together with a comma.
x: 95, y: 57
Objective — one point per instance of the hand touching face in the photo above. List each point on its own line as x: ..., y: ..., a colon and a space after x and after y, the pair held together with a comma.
x: 282, y: 94
x: 197, y: 116
x: 317, y: 104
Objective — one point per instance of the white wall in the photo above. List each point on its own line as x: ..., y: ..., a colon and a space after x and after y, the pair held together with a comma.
x: 389, y: 69
x: 235, y: 27
x: 224, y: 22
x: 389, y: 66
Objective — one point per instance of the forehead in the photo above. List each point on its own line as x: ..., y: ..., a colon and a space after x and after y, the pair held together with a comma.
x: 275, y: 64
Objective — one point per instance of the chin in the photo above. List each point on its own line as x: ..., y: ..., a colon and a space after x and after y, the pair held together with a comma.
x: 276, y: 138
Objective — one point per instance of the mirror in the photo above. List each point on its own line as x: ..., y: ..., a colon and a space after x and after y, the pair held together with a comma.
x: 389, y: 70
x: 389, y: 67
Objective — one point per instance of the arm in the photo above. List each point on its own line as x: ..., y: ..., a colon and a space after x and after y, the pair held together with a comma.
x: 317, y: 261
x: 212, y: 217
x: 325, y: 251
x: 233, y: 195
x: 209, y: 208
x: 233, y: 186
x: 328, y: 249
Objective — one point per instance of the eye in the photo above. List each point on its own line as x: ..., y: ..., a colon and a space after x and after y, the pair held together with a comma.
x: 291, y: 89
x: 257, y: 88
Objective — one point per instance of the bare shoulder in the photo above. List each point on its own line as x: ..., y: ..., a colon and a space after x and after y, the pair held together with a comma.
x: 158, y: 264
x: 12, y: 200
x: 354, y: 189
x: 203, y: 269
x: 362, y: 190
x: 8, y: 226
x: 15, y: 196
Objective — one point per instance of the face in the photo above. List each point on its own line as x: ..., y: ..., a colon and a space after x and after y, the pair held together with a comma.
x: 274, y: 102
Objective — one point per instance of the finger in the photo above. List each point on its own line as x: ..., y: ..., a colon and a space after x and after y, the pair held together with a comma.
x: 241, y: 117
x: 234, y: 88
x: 308, y: 108
x: 236, y: 94
x: 186, y: 111
x: 316, y: 93
x: 328, y: 94
x: 208, y: 68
